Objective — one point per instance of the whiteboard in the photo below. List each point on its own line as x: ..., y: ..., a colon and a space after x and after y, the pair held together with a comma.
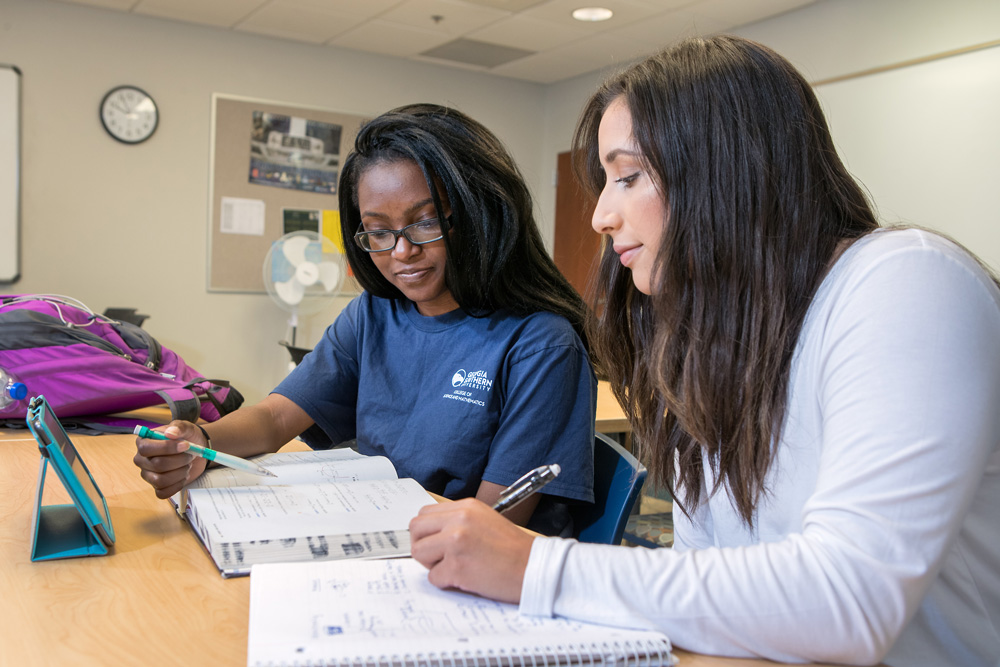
x: 925, y: 141
x: 10, y: 173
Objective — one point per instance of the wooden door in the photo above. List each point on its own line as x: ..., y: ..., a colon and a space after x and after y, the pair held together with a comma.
x: 577, y: 245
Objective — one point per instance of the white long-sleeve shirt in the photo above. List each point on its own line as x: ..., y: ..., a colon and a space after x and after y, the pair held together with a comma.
x: 879, y: 539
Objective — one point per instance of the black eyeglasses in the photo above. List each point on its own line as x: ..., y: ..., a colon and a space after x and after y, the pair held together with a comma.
x: 419, y: 233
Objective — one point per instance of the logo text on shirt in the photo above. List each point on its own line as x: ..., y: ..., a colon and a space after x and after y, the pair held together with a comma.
x: 474, y: 380
x: 466, y: 383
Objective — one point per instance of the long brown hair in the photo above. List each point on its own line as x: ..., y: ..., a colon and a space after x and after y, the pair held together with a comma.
x: 757, y: 203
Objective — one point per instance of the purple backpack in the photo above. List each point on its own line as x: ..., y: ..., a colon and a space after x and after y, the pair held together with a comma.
x: 90, y: 367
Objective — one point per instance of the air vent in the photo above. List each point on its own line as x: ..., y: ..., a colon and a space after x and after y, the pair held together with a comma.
x: 472, y: 52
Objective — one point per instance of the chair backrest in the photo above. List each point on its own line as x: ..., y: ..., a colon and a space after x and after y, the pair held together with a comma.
x: 618, y: 478
x: 296, y: 352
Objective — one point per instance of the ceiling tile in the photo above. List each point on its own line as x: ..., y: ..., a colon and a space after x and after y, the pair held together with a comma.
x: 670, y: 5
x: 657, y: 32
x: 457, y: 18
x: 740, y: 12
x: 525, y: 32
x: 540, y: 68
x: 217, y: 12
x: 299, y: 21
x: 368, y: 8
x: 564, y: 62
x: 405, y: 28
x: 506, y: 5
x: 389, y: 38
x: 123, y: 5
x: 561, y: 11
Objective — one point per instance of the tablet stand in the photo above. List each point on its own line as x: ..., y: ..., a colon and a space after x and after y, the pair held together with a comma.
x: 61, y: 531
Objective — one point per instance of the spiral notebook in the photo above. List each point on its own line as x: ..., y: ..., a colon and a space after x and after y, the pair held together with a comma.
x: 385, y: 613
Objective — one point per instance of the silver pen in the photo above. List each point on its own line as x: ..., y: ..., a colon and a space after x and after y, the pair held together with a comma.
x: 524, y: 487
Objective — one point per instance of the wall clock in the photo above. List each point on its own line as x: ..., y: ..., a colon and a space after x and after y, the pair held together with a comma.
x: 129, y: 114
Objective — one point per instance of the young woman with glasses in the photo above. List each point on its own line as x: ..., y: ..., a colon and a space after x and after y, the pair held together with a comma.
x: 819, y: 394
x: 463, y: 361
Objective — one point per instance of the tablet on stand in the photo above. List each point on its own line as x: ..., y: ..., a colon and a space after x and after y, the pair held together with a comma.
x: 82, y: 528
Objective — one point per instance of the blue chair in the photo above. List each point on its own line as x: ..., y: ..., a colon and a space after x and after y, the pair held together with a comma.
x: 618, y: 478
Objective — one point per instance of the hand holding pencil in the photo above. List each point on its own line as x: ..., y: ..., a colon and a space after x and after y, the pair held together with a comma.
x: 167, y: 460
x: 228, y: 460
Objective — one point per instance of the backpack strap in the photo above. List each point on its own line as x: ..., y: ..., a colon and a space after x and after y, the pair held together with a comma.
x: 182, y: 406
x: 230, y: 401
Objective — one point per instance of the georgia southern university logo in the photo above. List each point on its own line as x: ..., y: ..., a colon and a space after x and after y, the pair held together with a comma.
x: 470, y: 387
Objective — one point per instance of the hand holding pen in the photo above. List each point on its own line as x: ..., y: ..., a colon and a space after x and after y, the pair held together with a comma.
x: 228, y: 460
x: 524, y: 487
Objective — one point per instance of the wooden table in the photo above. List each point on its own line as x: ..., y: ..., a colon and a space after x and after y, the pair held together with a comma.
x: 157, y: 599
x: 610, y: 418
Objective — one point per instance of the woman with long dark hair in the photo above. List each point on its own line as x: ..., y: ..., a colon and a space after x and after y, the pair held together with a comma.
x: 818, y: 393
x: 463, y: 361
x: 496, y: 258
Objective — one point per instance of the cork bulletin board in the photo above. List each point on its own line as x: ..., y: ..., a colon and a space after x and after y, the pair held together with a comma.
x: 272, y: 166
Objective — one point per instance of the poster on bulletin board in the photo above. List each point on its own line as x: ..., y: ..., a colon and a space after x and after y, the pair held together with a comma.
x: 274, y: 169
x: 10, y: 173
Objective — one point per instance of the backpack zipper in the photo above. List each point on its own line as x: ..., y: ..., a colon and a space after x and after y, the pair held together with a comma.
x: 14, y: 330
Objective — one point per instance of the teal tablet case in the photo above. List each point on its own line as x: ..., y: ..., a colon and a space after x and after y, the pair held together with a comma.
x: 61, y: 531
x: 64, y: 531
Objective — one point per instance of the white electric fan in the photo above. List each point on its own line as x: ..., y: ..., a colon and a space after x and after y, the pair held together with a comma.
x: 300, y: 277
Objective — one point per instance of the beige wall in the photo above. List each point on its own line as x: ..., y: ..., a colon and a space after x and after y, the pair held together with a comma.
x: 934, y: 163
x: 117, y: 225
x: 924, y: 138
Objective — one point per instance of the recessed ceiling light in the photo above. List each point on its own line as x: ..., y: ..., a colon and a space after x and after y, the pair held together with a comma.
x: 592, y: 14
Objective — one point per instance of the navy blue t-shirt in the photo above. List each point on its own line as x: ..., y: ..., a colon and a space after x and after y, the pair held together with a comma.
x: 454, y: 399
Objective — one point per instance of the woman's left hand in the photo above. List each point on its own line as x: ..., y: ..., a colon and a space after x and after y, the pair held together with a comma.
x: 468, y: 546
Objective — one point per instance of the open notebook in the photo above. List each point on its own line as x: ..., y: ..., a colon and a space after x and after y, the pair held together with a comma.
x: 322, y: 505
x: 379, y: 613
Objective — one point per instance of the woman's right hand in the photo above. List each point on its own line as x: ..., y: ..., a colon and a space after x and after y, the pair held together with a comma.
x: 468, y: 546
x: 165, y: 464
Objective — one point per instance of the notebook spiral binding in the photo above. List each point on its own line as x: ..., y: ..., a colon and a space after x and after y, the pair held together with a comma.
x: 622, y: 654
